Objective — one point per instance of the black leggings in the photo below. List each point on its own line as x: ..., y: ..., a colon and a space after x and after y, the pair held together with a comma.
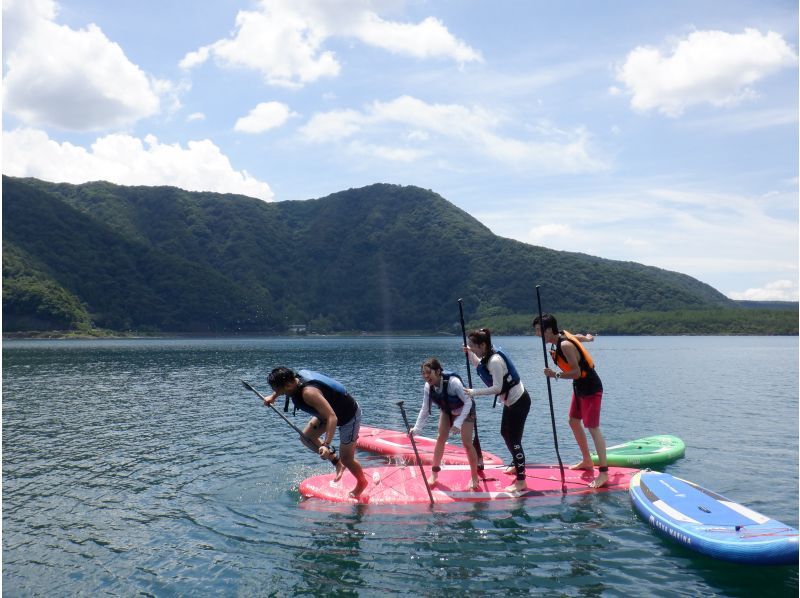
x: 511, y: 427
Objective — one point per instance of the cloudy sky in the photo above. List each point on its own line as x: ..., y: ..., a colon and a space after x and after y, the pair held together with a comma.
x: 664, y: 133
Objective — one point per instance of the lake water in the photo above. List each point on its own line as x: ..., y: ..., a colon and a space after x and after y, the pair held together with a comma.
x: 144, y: 467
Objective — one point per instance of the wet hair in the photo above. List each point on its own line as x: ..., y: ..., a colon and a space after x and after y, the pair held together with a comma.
x: 547, y: 322
x: 482, y: 336
x: 279, y: 377
x: 432, y: 364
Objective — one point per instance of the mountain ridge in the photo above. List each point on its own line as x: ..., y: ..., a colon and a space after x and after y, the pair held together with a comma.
x: 376, y: 258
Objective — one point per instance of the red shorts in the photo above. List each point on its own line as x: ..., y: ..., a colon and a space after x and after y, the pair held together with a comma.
x: 587, y: 408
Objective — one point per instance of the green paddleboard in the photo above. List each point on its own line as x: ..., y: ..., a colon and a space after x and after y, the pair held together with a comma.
x: 651, y: 450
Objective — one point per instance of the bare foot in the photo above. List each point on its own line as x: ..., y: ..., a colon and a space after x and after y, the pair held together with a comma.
x: 474, y: 485
x: 600, y: 481
x: 360, y: 487
x: 339, y: 471
x: 587, y: 465
x: 432, y: 480
x: 517, y: 486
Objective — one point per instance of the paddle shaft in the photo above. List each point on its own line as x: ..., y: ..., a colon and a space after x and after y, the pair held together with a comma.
x: 550, y: 394
x: 476, y: 441
x: 416, y: 452
x: 308, y: 442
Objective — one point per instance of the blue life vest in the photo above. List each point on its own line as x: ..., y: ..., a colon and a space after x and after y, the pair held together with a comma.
x: 510, y: 380
x: 446, y: 402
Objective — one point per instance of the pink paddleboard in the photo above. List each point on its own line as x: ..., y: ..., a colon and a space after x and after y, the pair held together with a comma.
x: 398, y: 444
x: 396, y: 485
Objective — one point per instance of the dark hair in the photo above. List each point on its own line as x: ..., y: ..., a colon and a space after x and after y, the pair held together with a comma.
x: 279, y: 377
x: 547, y: 322
x: 433, y: 364
x: 481, y: 336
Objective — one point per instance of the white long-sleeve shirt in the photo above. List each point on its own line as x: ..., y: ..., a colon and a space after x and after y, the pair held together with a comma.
x: 454, y: 389
x: 498, y: 369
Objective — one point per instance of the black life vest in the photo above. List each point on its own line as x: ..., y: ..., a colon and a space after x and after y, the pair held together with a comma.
x: 344, y: 406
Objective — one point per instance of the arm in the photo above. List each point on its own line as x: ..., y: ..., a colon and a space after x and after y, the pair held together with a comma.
x: 313, y: 397
x: 423, y: 412
x: 456, y: 388
x: 584, y: 338
x: 473, y: 359
x: 571, y: 353
x: 495, y: 367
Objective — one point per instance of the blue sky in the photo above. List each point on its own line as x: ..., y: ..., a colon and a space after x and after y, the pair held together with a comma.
x: 664, y: 133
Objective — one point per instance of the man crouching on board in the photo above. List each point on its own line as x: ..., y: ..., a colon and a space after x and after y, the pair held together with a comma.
x: 330, y: 407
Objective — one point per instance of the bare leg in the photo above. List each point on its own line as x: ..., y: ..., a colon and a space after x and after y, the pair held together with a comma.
x: 438, y: 451
x: 313, y: 431
x: 347, y: 454
x: 467, y: 429
x: 583, y: 445
x: 600, y: 446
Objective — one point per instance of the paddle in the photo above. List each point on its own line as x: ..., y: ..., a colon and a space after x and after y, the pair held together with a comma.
x: 416, y: 452
x: 476, y: 442
x: 306, y: 440
x: 550, y: 395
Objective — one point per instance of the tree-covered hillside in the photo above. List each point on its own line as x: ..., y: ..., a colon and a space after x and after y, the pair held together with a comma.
x: 378, y: 258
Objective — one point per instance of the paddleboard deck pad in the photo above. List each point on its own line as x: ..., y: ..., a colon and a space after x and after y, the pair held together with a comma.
x: 645, y: 452
x: 397, y: 485
x: 711, y: 524
x: 397, y: 444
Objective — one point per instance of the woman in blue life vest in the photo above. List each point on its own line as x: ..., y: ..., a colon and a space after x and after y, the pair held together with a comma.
x: 497, y: 371
x: 446, y: 391
x: 330, y: 407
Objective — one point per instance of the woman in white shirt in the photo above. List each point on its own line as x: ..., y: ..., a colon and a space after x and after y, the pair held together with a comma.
x: 497, y: 371
x: 446, y: 391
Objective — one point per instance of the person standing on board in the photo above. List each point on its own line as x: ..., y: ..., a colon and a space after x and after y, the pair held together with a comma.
x: 497, y: 371
x: 330, y: 407
x: 446, y: 390
x: 576, y: 364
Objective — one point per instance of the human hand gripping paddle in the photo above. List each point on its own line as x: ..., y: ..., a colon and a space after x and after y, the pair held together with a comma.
x: 476, y: 442
x: 550, y: 395
x: 305, y: 439
x: 416, y: 452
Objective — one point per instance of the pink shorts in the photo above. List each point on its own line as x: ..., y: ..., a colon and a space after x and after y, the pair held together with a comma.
x: 587, y: 408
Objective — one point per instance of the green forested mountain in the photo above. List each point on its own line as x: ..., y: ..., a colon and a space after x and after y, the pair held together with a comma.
x: 379, y: 258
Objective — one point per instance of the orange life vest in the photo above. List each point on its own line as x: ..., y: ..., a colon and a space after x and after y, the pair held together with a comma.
x: 585, y: 361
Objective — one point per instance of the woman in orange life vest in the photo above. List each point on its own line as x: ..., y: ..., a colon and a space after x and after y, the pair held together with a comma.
x: 576, y: 364
x: 446, y: 390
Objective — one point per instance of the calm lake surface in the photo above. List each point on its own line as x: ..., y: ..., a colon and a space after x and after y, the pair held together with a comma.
x: 143, y: 467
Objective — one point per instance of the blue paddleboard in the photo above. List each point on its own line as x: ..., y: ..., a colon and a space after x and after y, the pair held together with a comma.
x: 711, y: 524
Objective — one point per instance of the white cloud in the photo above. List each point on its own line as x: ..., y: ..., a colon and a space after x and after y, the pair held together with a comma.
x: 713, y: 67
x: 551, y: 151
x: 715, y: 237
x: 196, y: 116
x: 284, y: 39
x: 543, y: 234
x: 126, y: 160
x: 428, y: 39
x: 780, y: 290
x: 72, y: 79
x: 265, y: 116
